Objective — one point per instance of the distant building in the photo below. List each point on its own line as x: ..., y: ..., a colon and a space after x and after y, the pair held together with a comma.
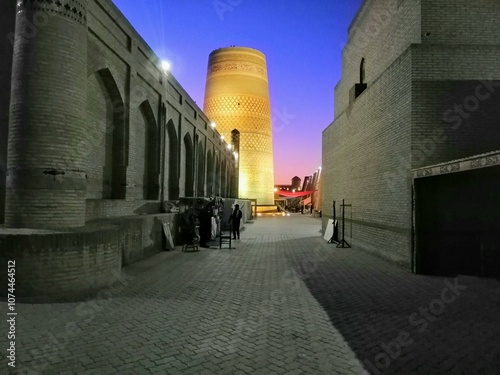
x: 414, y: 143
x: 294, y: 186
x: 296, y: 183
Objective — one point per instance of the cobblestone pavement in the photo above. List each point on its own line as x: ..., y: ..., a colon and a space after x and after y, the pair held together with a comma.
x: 282, y: 302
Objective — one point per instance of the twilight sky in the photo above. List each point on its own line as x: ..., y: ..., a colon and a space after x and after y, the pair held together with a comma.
x: 302, y: 42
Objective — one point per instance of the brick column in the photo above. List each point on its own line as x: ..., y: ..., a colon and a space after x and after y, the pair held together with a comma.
x: 47, y: 129
x: 7, y: 26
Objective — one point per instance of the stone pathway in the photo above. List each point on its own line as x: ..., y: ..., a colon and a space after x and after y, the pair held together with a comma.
x: 282, y: 302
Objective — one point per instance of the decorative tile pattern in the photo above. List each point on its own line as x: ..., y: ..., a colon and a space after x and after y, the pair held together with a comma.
x: 424, y: 172
x: 240, y: 104
x: 479, y: 161
x: 449, y: 168
x: 74, y: 9
x: 243, y: 67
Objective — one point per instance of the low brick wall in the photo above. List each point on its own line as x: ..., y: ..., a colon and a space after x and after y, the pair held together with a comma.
x: 142, y: 234
x: 72, y: 265
x: 61, y: 266
x: 106, y: 208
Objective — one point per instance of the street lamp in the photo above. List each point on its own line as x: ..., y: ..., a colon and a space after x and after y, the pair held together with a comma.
x: 165, y: 66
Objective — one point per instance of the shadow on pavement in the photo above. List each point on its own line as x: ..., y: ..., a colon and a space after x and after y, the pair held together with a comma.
x: 400, y: 323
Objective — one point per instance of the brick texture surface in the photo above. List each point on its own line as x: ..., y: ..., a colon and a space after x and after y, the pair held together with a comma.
x: 89, y: 97
x: 282, y: 301
x: 432, y: 97
x: 7, y: 28
x: 70, y: 265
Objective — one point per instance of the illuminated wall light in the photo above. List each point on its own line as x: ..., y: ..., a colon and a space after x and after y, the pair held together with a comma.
x: 213, y: 125
x: 221, y: 137
x: 165, y: 66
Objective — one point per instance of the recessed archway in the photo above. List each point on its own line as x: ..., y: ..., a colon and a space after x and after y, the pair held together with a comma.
x: 200, y: 190
x: 107, y: 149
x: 189, y: 168
x: 173, y: 161
x: 210, y: 174
x: 150, y: 185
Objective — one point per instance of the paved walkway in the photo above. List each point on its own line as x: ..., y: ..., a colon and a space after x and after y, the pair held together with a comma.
x: 283, y: 302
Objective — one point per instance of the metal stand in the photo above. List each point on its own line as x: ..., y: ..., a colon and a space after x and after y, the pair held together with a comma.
x: 334, y: 239
x: 343, y: 243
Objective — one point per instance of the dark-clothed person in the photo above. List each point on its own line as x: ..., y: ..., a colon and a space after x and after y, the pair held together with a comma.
x: 235, y: 221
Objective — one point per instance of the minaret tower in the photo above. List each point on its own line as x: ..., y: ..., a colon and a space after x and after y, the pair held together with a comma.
x: 237, y: 97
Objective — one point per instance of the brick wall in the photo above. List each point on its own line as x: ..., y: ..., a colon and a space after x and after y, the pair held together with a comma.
x: 7, y: 25
x: 108, y: 134
x: 47, y: 118
x: 455, y: 95
x: 381, y: 25
x: 106, y: 208
x: 358, y: 168
x: 62, y: 265
x: 115, y: 45
x: 451, y: 122
x: 143, y: 235
x: 86, y: 146
x: 432, y: 96
x: 52, y: 265
x: 460, y: 22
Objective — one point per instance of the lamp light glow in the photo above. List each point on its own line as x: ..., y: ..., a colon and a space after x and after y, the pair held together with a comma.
x: 165, y: 65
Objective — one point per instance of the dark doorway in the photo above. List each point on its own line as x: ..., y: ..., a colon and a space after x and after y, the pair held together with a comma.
x: 457, y: 219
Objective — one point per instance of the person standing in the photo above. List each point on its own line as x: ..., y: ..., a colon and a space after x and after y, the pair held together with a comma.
x: 235, y: 221
x: 205, y: 226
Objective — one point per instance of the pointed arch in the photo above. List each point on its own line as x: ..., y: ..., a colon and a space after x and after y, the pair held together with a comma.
x: 108, y: 135
x: 217, y: 176
x: 210, y: 174
x: 151, y: 162
x: 188, y: 157
x: 173, y: 161
x: 200, y: 189
x: 223, y: 179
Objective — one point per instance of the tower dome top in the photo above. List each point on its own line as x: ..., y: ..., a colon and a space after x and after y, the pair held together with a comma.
x: 237, y: 49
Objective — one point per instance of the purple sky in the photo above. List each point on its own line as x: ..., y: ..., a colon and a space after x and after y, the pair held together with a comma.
x: 302, y: 42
